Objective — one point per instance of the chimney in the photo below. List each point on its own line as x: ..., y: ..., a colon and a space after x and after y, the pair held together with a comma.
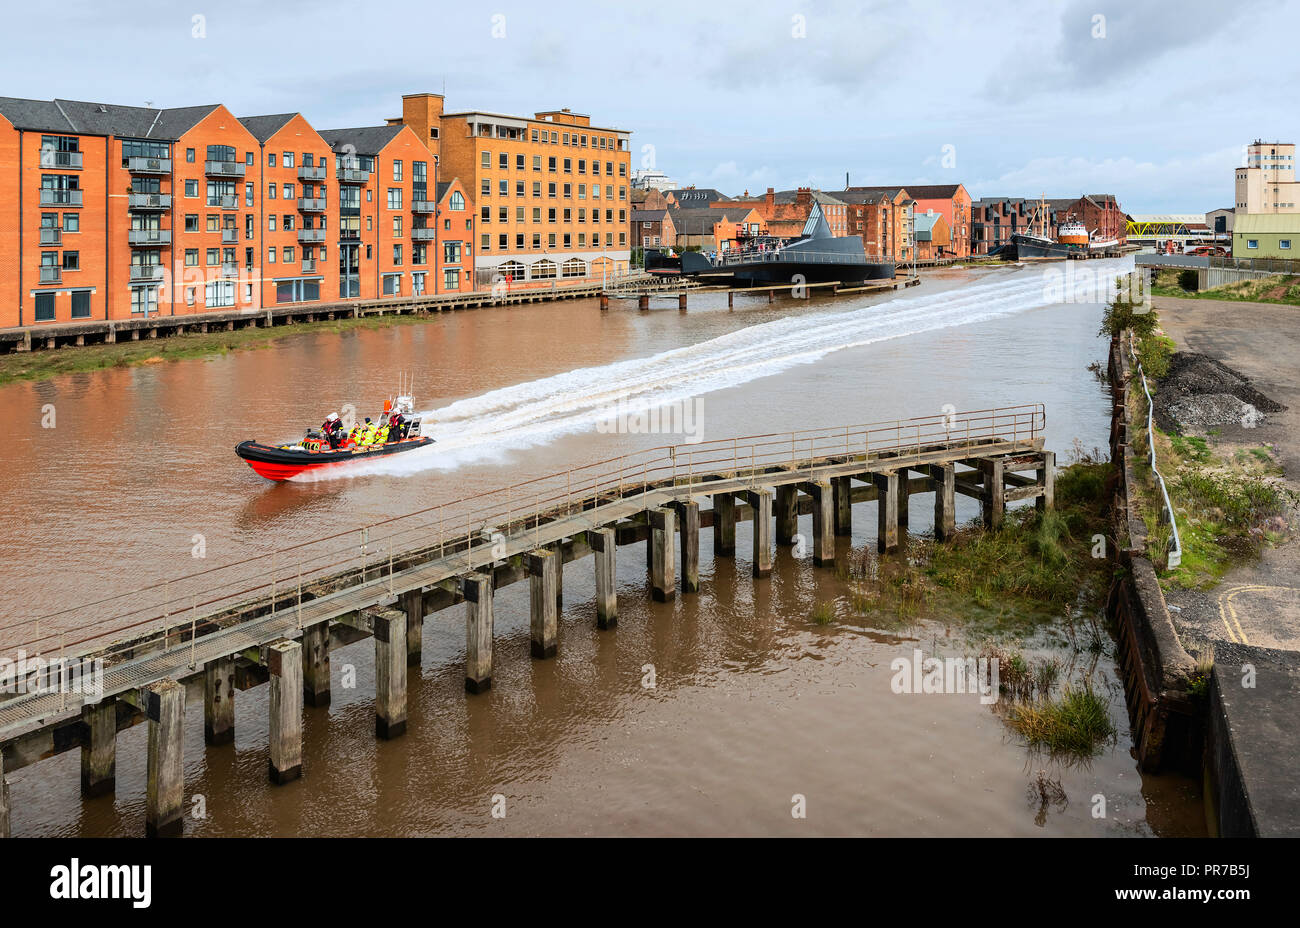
x: 770, y: 200
x: 803, y: 197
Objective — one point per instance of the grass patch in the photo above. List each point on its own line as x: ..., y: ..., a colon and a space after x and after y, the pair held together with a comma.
x: 42, y: 365
x: 1076, y: 723
x: 1283, y: 289
x: 823, y: 613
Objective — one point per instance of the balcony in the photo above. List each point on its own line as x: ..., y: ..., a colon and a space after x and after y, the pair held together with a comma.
x: 51, y: 275
x: 64, y: 160
x: 149, y: 201
x: 423, y: 235
x: 51, y: 235
x: 351, y: 172
x: 230, y: 236
x: 309, y: 265
x: 224, y: 168
x: 224, y: 202
x: 422, y: 206
x: 52, y: 197
x: 138, y: 165
x: 311, y: 204
x: 146, y: 273
x: 307, y: 236
x: 149, y: 237
x: 309, y: 173
x: 229, y: 269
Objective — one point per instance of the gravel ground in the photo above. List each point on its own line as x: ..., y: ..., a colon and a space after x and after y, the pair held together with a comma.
x: 1201, y: 393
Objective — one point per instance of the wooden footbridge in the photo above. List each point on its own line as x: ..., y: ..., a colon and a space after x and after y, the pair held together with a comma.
x: 275, y: 618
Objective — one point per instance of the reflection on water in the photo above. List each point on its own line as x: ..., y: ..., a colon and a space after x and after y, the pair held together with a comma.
x: 752, y: 702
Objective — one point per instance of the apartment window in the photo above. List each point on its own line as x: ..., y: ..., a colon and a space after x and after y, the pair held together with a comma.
x: 248, y: 160
x: 537, y: 161
x: 582, y: 166
x: 550, y: 164
x: 248, y: 194
x: 451, y: 279
x: 394, y: 197
x: 191, y: 187
x: 71, y: 261
x: 288, y: 222
x: 189, y: 155
x: 451, y: 252
x: 191, y: 257
x: 446, y: 224
x: 550, y: 191
x: 71, y: 222
x: 288, y: 254
x: 397, y: 169
x: 45, y: 307
x: 270, y: 223
x: 568, y: 214
x: 519, y: 162
x: 81, y: 304
x: 595, y: 191
x: 550, y: 214
x: 213, y: 257
x: 1284, y: 243
x: 485, y: 188
x: 503, y: 242
x: 582, y: 215
x: 519, y: 188
x: 270, y: 191
x: 519, y: 214
x: 487, y: 159
x: 568, y: 165
x: 503, y: 187
x: 485, y: 242
x: 419, y: 253
x: 288, y: 159
x: 550, y: 240
x: 537, y: 214
x: 457, y: 202
x: 566, y: 138
x: 288, y: 191
x: 582, y: 239
x: 270, y: 255
x: 582, y: 191
x: 568, y: 240
x: 397, y: 256
x: 503, y: 161
x: 534, y: 135
x: 503, y: 214
x: 397, y: 227
x: 485, y: 213
x: 1252, y: 243
x: 622, y: 170
x: 270, y: 159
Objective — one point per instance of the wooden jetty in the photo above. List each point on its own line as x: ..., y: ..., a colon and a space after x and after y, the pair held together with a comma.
x: 275, y: 618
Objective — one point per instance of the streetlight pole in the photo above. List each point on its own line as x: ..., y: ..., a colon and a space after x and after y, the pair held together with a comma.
x: 436, y: 213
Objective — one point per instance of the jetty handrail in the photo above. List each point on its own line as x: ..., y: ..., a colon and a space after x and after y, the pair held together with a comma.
x: 177, y: 605
x: 1176, y: 545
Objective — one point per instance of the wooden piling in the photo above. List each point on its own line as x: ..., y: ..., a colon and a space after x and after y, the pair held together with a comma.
x: 604, y: 302
x: 824, y: 499
x: 643, y: 301
x: 689, y: 533
x: 316, y: 664
x: 731, y: 299
x: 544, y: 620
x: 771, y: 296
x: 904, y: 499
x: 284, y: 661
x: 603, y: 546
x: 681, y: 301
x: 413, y: 606
x: 219, y: 701
x: 842, y: 488
x: 4, y: 799
x: 993, y: 503
x: 663, y: 583
x: 724, y: 525
x: 887, y: 511
x: 99, y: 749
x: 477, y: 589
x: 1047, y: 480
x: 787, y: 513
x: 945, y: 500
x: 390, y: 673
x: 165, y: 791
x: 760, y: 501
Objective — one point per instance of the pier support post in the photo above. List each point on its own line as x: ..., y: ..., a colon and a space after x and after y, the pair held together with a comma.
x: 724, y: 525
x: 945, y: 500
x: 4, y: 799
x: 904, y: 499
x: 1047, y: 480
x: 824, y: 507
x: 843, y: 491
x: 643, y: 301
x: 477, y: 589
x: 165, y: 792
x: 993, y: 502
x: 787, y: 513
x: 663, y: 527
x: 731, y: 299
x: 284, y: 660
x: 559, y: 575
x: 771, y: 296
x: 689, y: 533
x: 219, y: 701
x: 761, y: 502
x: 99, y: 749
x: 681, y: 301
x: 604, y: 302
x: 413, y: 606
x: 603, y: 548
x: 887, y: 509
x: 542, y: 568
x: 390, y: 673
x: 316, y: 664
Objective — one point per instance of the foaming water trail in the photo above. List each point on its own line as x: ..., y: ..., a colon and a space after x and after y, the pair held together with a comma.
x: 489, y: 426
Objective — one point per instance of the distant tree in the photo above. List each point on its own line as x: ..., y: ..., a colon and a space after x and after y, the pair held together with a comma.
x: 1189, y: 280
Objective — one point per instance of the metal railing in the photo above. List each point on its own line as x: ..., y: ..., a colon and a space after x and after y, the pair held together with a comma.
x: 149, y: 236
x: 224, y: 168
x: 139, y: 165
x: 729, y: 258
x: 171, y: 609
x: 1272, y: 265
x: 148, y: 201
x: 308, y: 172
x: 1167, y: 517
x: 53, y: 196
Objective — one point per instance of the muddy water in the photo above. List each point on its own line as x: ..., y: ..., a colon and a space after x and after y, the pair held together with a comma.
x: 751, y: 702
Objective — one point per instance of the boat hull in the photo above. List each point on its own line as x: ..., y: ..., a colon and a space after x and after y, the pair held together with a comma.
x: 277, y: 463
x: 1028, y: 247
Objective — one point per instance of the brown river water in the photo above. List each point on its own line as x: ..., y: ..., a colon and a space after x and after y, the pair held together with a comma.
x: 752, y: 704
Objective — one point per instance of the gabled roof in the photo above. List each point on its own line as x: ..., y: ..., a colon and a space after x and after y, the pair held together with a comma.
x: 933, y: 191
x: 651, y: 215
x: 364, y: 140
x: 696, y: 194
x: 699, y: 220
x: 263, y: 127
x: 102, y: 118
x: 864, y: 195
x: 815, y: 196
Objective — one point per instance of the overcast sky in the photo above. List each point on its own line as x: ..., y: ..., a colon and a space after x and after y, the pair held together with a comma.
x: 1152, y: 101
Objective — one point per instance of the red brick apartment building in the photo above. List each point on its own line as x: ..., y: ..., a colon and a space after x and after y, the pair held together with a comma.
x: 952, y: 202
x: 116, y: 212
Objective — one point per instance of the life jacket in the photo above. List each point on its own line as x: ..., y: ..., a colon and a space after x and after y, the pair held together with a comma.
x: 382, y: 437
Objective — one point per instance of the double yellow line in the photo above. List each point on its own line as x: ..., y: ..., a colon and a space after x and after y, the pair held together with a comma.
x: 1227, y: 609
